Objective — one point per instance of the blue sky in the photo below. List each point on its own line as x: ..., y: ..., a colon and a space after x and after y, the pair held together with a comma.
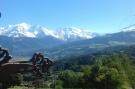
x: 97, y: 15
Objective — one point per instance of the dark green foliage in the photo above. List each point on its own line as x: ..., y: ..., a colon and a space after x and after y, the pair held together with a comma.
x: 15, y: 79
x: 70, y: 79
x: 58, y: 84
x: 73, y: 63
x: 108, y: 72
x: 12, y: 80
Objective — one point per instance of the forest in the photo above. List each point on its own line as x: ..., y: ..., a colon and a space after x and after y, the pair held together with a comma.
x: 95, y: 71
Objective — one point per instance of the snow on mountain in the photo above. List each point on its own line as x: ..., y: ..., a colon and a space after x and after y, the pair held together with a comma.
x: 40, y: 32
x: 27, y: 30
x: 129, y: 28
x: 72, y: 33
x: 17, y: 30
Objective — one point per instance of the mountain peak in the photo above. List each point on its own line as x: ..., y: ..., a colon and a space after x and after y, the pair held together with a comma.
x: 27, y: 30
x: 129, y: 28
x: 72, y: 33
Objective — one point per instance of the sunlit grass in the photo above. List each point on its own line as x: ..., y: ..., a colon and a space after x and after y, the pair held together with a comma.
x: 20, y: 87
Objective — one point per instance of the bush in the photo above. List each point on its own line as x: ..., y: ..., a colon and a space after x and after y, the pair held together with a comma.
x: 15, y: 79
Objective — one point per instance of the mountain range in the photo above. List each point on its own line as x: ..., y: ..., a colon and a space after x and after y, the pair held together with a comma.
x: 24, y: 39
x: 37, y: 31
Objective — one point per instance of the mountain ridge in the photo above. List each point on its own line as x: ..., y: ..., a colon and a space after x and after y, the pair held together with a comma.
x: 37, y: 31
x: 59, y: 48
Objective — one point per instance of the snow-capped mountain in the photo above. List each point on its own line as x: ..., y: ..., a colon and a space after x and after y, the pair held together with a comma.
x: 73, y: 33
x: 17, y: 30
x: 129, y: 28
x: 27, y: 30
